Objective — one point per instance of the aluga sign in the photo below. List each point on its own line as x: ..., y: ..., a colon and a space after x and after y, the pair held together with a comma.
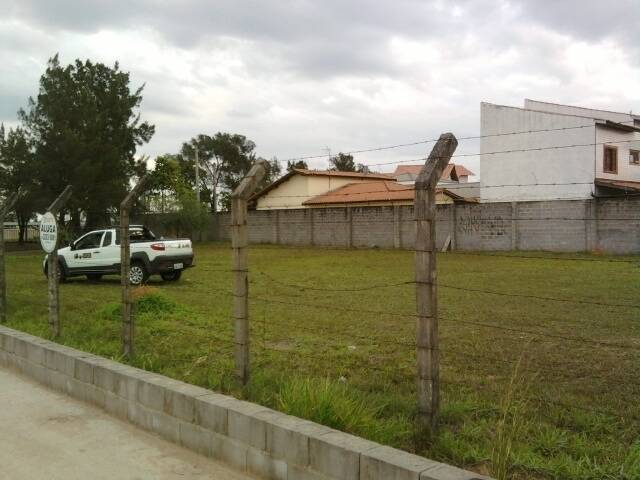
x: 48, y: 232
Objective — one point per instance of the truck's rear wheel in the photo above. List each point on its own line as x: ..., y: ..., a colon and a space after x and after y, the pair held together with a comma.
x: 171, y: 276
x: 138, y: 274
x: 62, y: 278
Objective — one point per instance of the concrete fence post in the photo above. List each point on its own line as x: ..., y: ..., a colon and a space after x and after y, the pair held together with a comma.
x: 52, y: 267
x: 239, y: 244
x: 128, y: 324
x: 276, y: 226
x: 428, y: 359
x: 454, y: 225
x: 514, y: 226
x: 349, y: 227
x: 397, y: 240
x: 9, y: 203
x: 591, y: 224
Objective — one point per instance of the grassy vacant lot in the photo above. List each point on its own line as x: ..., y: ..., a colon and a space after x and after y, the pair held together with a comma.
x: 323, y: 350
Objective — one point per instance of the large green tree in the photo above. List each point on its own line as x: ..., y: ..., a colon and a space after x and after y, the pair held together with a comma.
x: 226, y: 159
x: 85, y: 128
x: 342, y: 162
x: 17, y: 171
x: 292, y: 164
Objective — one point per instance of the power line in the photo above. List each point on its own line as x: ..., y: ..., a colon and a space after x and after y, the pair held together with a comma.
x: 433, y: 140
x: 515, y: 150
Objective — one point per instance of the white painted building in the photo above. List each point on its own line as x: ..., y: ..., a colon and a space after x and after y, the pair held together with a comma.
x: 563, y: 156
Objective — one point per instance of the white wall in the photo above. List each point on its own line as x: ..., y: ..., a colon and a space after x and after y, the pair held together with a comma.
x: 619, y: 117
x: 560, y: 165
x: 623, y: 141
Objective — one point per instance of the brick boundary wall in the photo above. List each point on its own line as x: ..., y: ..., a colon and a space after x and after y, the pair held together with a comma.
x: 244, y: 435
x: 610, y: 225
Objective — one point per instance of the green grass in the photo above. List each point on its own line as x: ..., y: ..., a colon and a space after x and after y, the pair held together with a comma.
x: 328, y: 356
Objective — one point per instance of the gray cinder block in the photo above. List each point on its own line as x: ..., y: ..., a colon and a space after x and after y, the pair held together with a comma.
x: 243, y: 425
x: 264, y: 465
x: 389, y: 463
x: 229, y: 451
x: 211, y: 413
x: 196, y: 438
x: 447, y: 472
x: 288, y: 437
x: 179, y: 400
x: 337, y: 455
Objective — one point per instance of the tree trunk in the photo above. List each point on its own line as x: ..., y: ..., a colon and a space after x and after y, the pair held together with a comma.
x: 75, y: 222
x: 23, y: 223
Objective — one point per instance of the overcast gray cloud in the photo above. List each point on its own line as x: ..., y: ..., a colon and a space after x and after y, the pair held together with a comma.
x: 298, y: 76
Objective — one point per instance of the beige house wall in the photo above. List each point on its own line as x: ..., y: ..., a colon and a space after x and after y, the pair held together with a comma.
x: 300, y: 188
x: 441, y: 199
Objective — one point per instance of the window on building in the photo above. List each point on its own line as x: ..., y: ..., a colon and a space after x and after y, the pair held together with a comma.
x: 634, y: 157
x: 610, y: 160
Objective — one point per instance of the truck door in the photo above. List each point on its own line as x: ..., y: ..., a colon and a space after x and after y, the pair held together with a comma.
x: 110, y: 252
x: 86, y: 252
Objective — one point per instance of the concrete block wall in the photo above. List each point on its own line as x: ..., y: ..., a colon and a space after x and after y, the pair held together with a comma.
x: 611, y: 225
x: 617, y: 225
x: 558, y: 226
x: 373, y: 227
x: 332, y: 227
x: 247, y: 436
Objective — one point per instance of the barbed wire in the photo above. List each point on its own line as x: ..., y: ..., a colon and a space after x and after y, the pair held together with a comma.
x: 538, y: 297
x: 433, y: 140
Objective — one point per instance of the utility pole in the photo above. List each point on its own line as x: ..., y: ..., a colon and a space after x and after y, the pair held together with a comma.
x: 197, y: 177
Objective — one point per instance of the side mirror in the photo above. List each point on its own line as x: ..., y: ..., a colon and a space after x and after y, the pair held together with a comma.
x: 72, y: 246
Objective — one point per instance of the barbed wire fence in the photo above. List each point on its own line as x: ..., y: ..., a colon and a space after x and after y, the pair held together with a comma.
x: 326, y: 339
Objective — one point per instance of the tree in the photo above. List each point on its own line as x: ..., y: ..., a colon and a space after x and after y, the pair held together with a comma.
x: 227, y: 159
x: 17, y: 169
x: 343, y: 163
x: 299, y: 164
x: 85, y: 128
x: 167, y: 181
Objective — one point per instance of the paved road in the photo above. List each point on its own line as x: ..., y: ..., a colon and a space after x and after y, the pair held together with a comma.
x: 47, y: 435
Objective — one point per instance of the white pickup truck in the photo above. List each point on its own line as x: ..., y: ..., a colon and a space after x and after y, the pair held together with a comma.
x: 97, y: 253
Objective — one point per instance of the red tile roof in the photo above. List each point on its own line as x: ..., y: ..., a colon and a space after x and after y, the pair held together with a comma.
x: 459, y: 170
x: 402, y: 169
x: 369, y: 192
x: 337, y: 173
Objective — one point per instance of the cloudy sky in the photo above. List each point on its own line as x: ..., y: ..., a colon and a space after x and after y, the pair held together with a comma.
x: 299, y: 77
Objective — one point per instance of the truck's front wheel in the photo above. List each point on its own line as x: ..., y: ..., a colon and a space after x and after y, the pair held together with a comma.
x: 138, y: 274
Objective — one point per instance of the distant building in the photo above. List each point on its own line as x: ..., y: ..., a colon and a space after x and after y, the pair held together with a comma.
x: 565, y: 152
x: 300, y: 185
x: 452, y: 177
x: 376, y: 193
x: 451, y: 173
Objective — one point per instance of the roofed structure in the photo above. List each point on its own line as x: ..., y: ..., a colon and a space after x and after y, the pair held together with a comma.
x: 376, y: 193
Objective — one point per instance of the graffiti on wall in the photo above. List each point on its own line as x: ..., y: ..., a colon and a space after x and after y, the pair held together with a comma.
x: 491, y: 225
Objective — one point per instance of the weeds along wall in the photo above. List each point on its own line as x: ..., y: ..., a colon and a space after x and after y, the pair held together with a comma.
x: 611, y: 225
